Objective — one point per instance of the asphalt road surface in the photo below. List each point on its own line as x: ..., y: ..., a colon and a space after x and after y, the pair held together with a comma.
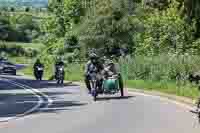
x: 28, y: 106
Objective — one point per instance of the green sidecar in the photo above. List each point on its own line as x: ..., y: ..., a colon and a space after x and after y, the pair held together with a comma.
x: 111, y: 86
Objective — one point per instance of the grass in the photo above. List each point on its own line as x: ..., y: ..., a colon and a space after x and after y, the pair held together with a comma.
x: 188, y: 90
x: 21, y: 60
x: 27, y: 45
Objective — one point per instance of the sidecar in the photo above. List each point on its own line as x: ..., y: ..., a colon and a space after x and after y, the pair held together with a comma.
x: 111, y: 85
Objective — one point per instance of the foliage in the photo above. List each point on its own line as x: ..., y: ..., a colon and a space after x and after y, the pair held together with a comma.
x: 159, y: 4
x: 17, y: 50
x: 162, y: 68
x: 164, y: 31
x: 19, y: 27
x: 109, y: 28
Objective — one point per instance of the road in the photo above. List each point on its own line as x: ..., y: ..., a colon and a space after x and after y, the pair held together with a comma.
x: 29, y: 106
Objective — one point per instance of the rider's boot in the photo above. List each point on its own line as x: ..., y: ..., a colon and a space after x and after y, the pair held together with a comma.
x: 88, y: 86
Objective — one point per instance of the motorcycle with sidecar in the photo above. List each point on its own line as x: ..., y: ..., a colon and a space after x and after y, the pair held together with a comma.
x: 106, y: 85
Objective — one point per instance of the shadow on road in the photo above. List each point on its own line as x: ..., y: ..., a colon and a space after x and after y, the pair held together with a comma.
x: 21, y: 103
x: 113, y: 98
x: 38, y: 84
x: 14, y: 104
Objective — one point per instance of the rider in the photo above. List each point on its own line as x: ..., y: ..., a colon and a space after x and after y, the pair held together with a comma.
x: 37, y: 64
x: 59, y: 63
x: 92, y: 64
x: 110, y: 68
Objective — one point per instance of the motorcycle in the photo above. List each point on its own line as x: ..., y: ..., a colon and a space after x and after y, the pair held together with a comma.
x: 94, y: 83
x: 39, y: 72
x: 60, y: 75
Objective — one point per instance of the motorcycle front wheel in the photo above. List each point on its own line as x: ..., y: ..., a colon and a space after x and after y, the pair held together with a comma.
x: 122, y: 92
x: 94, y: 94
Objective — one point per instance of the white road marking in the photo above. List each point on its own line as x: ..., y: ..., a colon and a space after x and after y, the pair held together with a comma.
x: 35, y: 92
x: 28, y: 111
x: 50, y: 101
x: 162, y: 98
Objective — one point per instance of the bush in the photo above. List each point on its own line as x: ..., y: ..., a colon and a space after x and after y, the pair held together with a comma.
x: 164, y: 32
x: 17, y: 50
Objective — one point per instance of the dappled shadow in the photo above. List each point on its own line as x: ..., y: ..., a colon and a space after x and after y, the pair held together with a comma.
x: 17, y: 105
x: 14, y: 101
x: 38, y: 84
x: 101, y: 98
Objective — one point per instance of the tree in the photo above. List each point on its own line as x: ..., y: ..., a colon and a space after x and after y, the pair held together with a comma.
x: 109, y: 29
x: 159, y: 4
x: 27, y: 9
x: 164, y: 32
x: 12, y: 9
x: 192, y: 10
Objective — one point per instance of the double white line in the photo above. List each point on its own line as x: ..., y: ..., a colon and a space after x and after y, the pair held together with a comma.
x: 41, y: 100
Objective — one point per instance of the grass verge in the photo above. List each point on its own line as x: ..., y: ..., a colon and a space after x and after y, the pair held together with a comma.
x: 187, y: 90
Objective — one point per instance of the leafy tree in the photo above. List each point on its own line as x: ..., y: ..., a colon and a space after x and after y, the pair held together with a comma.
x: 159, y: 4
x: 165, y: 31
x: 12, y: 9
x: 110, y: 28
x: 27, y: 9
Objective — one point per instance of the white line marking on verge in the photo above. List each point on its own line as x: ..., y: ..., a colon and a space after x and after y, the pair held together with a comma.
x: 162, y: 98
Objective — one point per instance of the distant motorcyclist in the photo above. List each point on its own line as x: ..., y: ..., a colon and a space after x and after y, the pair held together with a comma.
x: 37, y: 66
x: 92, y: 65
x: 59, y: 63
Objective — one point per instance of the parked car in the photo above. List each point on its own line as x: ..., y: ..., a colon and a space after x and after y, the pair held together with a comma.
x: 7, y: 68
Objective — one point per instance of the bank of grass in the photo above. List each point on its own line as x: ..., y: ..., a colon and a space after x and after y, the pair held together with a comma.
x: 25, y: 45
x: 188, y: 90
x: 21, y: 60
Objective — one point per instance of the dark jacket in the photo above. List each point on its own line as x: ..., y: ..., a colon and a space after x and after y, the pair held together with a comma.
x: 92, y: 66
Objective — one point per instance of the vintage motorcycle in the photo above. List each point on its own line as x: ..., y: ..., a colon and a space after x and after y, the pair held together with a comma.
x: 38, y: 72
x: 60, y: 75
x: 109, y: 85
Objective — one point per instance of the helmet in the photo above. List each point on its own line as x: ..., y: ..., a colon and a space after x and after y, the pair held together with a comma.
x: 93, y: 56
x: 38, y: 60
x: 110, y: 62
x: 59, y: 59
